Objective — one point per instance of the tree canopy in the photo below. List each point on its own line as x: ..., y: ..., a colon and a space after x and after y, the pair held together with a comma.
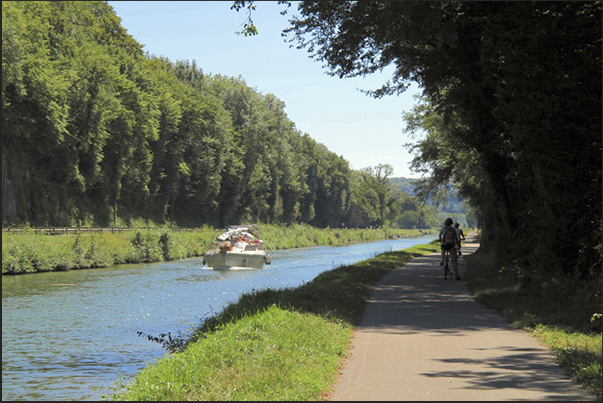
x: 96, y: 132
x: 511, y: 110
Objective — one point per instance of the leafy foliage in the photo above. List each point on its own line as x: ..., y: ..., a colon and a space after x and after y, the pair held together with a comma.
x: 96, y: 132
x: 511, y: 111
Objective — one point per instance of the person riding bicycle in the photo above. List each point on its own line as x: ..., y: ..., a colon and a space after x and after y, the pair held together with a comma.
x: 461, y: 236
x: 449, y: 238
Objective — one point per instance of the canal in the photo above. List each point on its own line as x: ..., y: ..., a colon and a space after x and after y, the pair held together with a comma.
x: 71, y: 335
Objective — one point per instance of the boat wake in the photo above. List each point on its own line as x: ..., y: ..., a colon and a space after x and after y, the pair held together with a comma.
x: 233, y: 268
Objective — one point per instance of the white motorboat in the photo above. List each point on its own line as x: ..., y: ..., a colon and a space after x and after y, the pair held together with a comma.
x: 239, y: 247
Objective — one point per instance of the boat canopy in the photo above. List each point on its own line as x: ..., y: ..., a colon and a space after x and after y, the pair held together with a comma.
x: 246, y: 230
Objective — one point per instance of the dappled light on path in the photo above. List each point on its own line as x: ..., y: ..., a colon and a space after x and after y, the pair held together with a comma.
x: 424, y: 338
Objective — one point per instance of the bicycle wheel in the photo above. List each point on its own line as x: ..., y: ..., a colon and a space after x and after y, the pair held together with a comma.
x: 446, y: 266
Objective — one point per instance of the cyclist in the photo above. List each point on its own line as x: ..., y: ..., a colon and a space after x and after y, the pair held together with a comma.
x: 461, y: 236
x: 448, y: 240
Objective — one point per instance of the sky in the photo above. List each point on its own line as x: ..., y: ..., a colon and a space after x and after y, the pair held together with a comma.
x: 363, y: 130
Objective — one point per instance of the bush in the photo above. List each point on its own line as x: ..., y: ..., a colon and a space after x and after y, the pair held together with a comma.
x: 147, y: 247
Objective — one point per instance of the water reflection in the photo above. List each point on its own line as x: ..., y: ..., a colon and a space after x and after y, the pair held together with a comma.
x: 64, y: 333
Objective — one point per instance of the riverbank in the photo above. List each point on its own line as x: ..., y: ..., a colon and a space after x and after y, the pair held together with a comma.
x: 31, y: 252
x: 288, y: 344
x: 271, y: 344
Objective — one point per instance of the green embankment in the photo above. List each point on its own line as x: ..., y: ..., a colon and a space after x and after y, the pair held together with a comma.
x: 288, y: 344
x: 29, y: 252
x: 271, y: 344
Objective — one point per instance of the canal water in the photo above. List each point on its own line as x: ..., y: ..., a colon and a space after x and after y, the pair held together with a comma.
x: 71, y: 335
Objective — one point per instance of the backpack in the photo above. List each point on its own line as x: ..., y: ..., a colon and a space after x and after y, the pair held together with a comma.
x: 449, y: 236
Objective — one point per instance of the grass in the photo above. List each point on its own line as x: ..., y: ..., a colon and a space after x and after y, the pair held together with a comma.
x: 295, y: 236
x: 29, y: 252
x: 559, y: 319
x: 287, y: 344
x: 282, y: 344
x: 275, y: 354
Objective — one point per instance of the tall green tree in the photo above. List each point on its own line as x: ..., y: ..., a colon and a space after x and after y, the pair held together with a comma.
x: 517, y: 88
x: 95, y: 132
x: 372, y: 197
x: 59, y: 83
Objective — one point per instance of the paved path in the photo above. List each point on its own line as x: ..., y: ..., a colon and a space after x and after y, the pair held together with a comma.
x: 424, y: 338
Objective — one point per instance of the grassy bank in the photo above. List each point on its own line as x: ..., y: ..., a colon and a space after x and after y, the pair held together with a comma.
x: 288, y: 344
x: 560, y: 318
x: 29, y: 252
x: 271, y: 344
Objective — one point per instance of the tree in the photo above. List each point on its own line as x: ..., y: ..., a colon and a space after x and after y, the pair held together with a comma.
x: 249, y: 28
x: 95, y: 132
x: 515, y: 87
x: 58, y: 94
x: 373, y: 200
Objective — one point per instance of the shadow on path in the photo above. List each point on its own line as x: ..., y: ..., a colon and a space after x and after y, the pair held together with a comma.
x: 424, y: 338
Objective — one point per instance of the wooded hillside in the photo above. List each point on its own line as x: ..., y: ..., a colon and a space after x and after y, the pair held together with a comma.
x: 95, y: 132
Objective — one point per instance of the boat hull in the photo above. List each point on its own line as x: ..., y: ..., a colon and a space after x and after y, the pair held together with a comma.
x: 218, y: 259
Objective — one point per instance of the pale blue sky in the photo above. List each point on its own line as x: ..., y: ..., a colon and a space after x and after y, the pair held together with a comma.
x: 364, y: 130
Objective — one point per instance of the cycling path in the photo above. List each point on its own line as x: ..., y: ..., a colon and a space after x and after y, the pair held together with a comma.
x: 424, y: 338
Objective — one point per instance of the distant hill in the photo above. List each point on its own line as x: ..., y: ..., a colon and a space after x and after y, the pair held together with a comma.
x: 404, y: 184
x: 455, y: 205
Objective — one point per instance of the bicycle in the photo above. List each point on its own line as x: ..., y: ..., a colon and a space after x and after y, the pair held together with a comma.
x: 447, y: 269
